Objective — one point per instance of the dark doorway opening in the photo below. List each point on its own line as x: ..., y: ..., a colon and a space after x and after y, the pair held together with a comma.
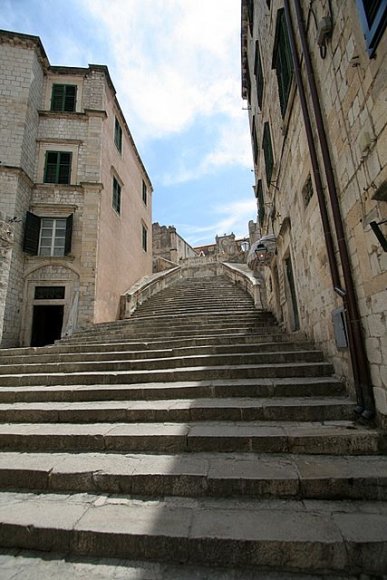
x: 46, y: 324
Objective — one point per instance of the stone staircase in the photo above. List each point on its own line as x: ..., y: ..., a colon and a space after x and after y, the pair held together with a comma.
x: 194, y: 440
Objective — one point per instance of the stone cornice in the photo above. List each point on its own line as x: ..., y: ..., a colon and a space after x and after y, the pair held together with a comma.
x: 77, y: 116
x: 17, y: 171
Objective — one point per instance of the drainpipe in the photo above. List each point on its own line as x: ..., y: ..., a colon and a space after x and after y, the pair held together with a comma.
x: 360, y: 367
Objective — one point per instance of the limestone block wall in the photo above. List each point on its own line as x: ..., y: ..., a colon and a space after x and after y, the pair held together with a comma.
x: 168, y: 244
x: 352, y: 93
x: 22, y: 66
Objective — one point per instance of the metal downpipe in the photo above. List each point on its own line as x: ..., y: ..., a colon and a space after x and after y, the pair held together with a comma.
x: 356, y: 340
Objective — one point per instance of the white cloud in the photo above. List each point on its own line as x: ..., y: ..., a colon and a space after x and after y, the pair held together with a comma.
x: 173, y: 60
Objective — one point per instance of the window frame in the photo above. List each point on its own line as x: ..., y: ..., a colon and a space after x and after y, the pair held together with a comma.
x: 260, y: 202
x: 118, y: 135
x: 33, y: 234
x: 267, y: 147
x: 258, y: 71
x: 282, y: 61
x: 254, y: 141
x: 63, y: 99
x: 144, y: 193
x: 372, y: 31
x: 144, y: 237
x: 59, y: 165
x: 116, y: 195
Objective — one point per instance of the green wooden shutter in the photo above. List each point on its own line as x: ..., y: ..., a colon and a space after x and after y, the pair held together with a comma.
x: 69, y: 232
x: 57, y: 97
x: 261, y: 203
x: 64, y: 167
x: 259, y: 74
x: 268, y: 152
x: 31, y: 234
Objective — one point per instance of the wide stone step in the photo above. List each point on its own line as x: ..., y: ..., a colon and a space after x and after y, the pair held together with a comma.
x: 200, y: 475
x: 119, y: 364
x: 297, y: 387
x: 204, y: 474
x: 181, y: 410
x: 170, y: 328
x: 57, y: 354
x: 330, y: 438
x: 70, y: 346
x: 168, y: 375
x: 316, y: 536
x: 101, y: 340
x: 56, y: 565
x: 170, y: 334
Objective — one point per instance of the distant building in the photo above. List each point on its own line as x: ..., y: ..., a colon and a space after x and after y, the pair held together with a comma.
x: 74, y: 195
x: 169, y: 246
x: 314, y: 77
x: 226, y: 248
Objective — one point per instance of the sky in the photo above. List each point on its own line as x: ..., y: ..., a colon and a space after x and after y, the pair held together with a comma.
x: 175, y: 65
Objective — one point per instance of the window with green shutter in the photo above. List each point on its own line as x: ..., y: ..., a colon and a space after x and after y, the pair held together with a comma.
x: 144, y: 238
x: 58, y: 167
x: 258, y: 74
x: 268, y: 152
x: 250, y: 10
x: 260, y: 202
x: 47, y: 236
x: 144, y: 193
x: 282, y: 60
x: 118, y: 135
x: 63, y: 98
x: 255, y: 141
x: 116, y: 195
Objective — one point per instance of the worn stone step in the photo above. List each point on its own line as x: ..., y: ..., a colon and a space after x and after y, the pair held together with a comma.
x: 223, y: 409
x: 168, y: 334
x: 332, y: 437
x: 256, y: 336
x: 296, y: 387
x: 18, y: 565
x: 313, y: 536
x: 68, y: 346
x: 149, y: 363
x: 199, y: 475
x: 59, y: 354
x: 170, y: 374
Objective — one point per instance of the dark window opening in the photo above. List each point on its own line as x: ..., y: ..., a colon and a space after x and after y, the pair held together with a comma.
x: 255, y: 141
x: 250, y: 9
x: 373, y: 18
x: 307, y: 191
x: 268, y: 153
x: 261, y: 203
x: 282, y: 61
x: 258, y: 74
x: 144, y: 193
x: 49, y: 292
x: 144, y: 238
x: 116, y: 195
x: 118, y: 135
x: 63, y: 98
x: 58, y: 167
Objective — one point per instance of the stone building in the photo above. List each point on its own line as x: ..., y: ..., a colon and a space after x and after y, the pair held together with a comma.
x: 314, y: 75
x: 168, y: 245
x: 74, y: 194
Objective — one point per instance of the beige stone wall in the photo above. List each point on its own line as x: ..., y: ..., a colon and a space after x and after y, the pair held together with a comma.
x: 168, y: 244
x: 352, y: 93
x: 121, y: 258
x: 106, y: 255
